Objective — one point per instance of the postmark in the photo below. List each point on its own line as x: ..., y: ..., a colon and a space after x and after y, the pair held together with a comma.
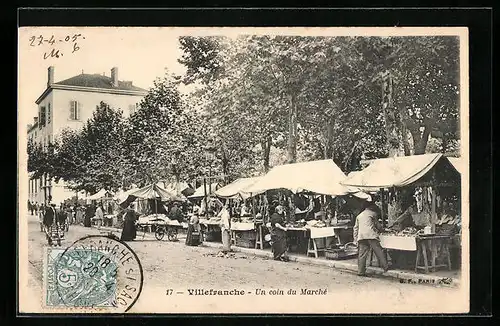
x: 95, y: 274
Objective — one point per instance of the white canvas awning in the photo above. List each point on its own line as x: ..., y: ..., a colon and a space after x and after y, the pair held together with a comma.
x: 400, y: 171
x: 238, y: 188
x: 200, y: 191
x: 100, y: 194
x: 320, y: 177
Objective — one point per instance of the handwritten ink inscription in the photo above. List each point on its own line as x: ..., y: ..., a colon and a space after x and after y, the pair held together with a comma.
x: 56, y: 50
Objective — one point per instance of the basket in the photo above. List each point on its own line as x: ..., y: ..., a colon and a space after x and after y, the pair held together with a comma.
x: 349, y: 250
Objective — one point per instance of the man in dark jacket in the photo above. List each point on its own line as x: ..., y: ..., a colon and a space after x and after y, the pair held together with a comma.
x: 176, y: 213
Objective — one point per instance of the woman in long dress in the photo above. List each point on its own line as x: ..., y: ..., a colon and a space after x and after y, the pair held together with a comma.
x: 129, y: 231
x: 194, y: 227
x: 278, y: 234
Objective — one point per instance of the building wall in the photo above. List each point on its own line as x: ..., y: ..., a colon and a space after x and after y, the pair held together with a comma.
x: 60, y: 110
x: 88, y: 101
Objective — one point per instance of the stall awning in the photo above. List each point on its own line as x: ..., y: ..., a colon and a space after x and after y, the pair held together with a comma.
x: 400, y: 171
x: 122, y: 196
x: 320, y: 177
x: 179, y: 188
x: 238, y: 188
x: 100, y: 194
x: 457, y: 163
x: 154, y: 191
x: 200, y: 191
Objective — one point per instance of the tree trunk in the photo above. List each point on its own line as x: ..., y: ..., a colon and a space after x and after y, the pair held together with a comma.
x: 292, y: 130
x: 420, y: 141
x: 404, y: 139
x: 266, y: 147
x: 329, y: 138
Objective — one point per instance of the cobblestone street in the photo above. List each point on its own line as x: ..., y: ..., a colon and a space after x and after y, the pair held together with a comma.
x: 172, y: 265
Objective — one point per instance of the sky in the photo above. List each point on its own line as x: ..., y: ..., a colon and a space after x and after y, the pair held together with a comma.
x: 140, y: 54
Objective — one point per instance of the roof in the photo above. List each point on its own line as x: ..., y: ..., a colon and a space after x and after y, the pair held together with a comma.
x: 93, y: 83
x: 401, y: 171
x: 237, y: 188
x: 200, y: 191
x: 98, y: 81
x: 319, y: 177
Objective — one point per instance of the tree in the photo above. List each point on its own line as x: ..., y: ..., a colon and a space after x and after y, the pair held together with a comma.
x: 426, y: 72
x: 162, y: 136
x: 91, y: 159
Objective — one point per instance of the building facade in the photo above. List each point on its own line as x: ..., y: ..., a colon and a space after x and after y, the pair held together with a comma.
x: 68, y: 104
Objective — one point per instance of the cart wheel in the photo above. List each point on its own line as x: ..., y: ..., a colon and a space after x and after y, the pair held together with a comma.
x: 159, y: 233
x: 172, y: 235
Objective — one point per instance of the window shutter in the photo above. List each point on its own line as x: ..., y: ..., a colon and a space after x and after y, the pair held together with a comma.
x: 72, y: 110
x: 48, y: 113
x: 77, y: 110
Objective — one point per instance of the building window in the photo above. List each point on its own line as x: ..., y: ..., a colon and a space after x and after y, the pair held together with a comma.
x: 42, y: 117
x: 74, y: 110
x: 48, y: 113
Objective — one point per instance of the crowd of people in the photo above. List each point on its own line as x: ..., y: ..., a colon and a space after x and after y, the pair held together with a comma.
x: 54, y: 220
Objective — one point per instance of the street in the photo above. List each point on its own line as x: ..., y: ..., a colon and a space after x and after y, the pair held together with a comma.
x: 172, y: 267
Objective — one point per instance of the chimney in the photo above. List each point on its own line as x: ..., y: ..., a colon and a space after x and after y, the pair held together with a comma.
x: 114, y: 76
x: 50, y: 79
x: 35, y: 120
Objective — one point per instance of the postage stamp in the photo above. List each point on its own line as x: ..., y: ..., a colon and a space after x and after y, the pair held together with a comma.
x: 94, y: 274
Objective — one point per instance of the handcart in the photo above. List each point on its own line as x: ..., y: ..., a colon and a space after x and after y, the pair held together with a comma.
x: 162, y: 227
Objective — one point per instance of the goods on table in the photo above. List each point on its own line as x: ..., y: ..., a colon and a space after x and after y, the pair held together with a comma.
x: 409, y: 231
x: 316, y: 224
x: 297, y: 224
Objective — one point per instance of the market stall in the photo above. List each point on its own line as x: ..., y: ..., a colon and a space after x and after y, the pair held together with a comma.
x: 153, y: 214
x: 420, y: 199
x: 316, y: 180
x: 246, y: 228
x: 105, y: 198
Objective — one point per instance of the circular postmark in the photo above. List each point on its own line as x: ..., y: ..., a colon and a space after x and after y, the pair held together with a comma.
x: 97, y: 273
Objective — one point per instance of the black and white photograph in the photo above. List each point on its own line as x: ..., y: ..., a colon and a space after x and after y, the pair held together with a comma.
x: 243, y: 170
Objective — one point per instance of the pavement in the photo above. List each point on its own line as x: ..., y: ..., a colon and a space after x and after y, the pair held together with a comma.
x: 444, y: 278
x: 174, y: 266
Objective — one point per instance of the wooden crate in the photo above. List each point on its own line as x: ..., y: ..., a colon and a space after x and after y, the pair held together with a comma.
x: 245, y: 243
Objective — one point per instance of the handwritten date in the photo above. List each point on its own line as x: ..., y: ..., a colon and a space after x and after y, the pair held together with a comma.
x: 55, y: 52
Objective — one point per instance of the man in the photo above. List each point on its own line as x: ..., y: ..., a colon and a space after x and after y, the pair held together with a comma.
x: 366, y: 235
x: 48, y: 222
x: 176, y: 213
x: 99, y: 215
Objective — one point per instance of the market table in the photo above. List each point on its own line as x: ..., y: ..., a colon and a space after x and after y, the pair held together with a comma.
x: 242, y: 227
x: 421, y: 244
x: 212, y: 225
x: 314, y: 234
